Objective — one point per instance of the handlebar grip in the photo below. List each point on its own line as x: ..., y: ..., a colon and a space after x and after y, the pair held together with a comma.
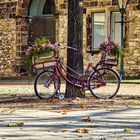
x: 72, y: 48
x: 58, y: 45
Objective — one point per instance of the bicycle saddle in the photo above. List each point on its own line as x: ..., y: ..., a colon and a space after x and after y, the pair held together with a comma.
x: 92, y: 52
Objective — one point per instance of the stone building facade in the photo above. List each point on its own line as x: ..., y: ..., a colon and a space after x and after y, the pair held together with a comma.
x: 18, y: 16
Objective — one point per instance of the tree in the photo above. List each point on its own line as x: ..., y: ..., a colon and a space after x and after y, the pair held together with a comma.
x: 75, y: 39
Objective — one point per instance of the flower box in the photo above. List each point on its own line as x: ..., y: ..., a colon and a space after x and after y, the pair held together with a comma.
x: 110, y: 53
x: 43, y: 62
x: 110, y: 59
x: 40, y: 55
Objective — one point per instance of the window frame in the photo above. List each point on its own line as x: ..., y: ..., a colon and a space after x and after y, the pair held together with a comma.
x: 36, y: 11
x: 112, y: 39
x: 92, y: 27
x: 107, y: 12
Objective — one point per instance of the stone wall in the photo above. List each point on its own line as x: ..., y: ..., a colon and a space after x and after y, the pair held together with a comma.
x: 7, y: 37
x: 14, y: 33
x: 132, y: 50
x: 7, y: 46
x: 132, y: 40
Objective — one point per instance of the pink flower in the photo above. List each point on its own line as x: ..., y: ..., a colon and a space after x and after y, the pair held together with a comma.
x: 108, y: 46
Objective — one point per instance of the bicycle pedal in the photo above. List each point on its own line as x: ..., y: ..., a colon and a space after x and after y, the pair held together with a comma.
x: 61, y: 96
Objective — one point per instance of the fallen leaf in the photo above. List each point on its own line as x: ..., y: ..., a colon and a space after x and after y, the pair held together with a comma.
x: 81, y: 106
x: 92, y: 126
x: 5, y: 110
x: 13, y: 111
x: 103, y: 139
x: 34, y: 106
x: 53, y: 100
x: 15, y: 124
x: 87, y: 119
x: 64, y: 111
x: 82, y: 130
x: 128, y: 130
x: 64, y: 130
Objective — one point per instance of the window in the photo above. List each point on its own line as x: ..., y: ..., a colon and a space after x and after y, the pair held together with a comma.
x: 103, y: 26
x: 98, y: 29
x: 41, y: 19
x: 115, y: 34
x: 49, y: 7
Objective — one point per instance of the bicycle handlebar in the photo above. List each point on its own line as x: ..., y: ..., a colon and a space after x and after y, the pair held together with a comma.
x: 69, y: 47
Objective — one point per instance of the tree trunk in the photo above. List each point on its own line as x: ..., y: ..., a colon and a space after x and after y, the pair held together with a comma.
x: 75, y: 40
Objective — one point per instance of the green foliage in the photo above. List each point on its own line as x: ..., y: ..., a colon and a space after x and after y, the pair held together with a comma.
x: 118, y: 51
x: 41, y: 47
x: 28, y: 63
x: 41, y: 40
x: 41, y: 52
x: 112, y: 48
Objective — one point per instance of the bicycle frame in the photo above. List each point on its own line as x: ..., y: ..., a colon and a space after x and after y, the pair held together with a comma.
x: 81, y: 79
x: 92, y: 78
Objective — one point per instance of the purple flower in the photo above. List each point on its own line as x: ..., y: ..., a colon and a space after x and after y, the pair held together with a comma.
x: 109, y: 46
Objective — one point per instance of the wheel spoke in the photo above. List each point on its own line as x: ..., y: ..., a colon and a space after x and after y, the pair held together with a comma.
x: 104, y: 83
x: 46, y: 84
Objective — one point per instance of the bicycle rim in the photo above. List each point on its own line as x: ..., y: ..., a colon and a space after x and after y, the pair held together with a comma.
x: 104, y: 83
x: 46, y: 84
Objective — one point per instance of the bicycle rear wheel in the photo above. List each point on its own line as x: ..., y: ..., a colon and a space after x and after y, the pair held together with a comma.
x: 46, y: 84
x: 104, y: 83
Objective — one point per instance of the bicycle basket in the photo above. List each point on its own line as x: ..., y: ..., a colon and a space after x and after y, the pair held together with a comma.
x: 109, y: 59
x: 43, y: 62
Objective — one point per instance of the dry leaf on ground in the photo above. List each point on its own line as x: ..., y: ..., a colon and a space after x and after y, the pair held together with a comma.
x: 87, y: 119
x: 15, y: 124
x: 63, y: 111
x: 5, y: 110
x: 128, y: 130
x: 13, y: 111
x: 64, y: 130
x: 82, y: 130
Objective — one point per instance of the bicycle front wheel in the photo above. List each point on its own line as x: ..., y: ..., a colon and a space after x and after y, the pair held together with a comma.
x: 46, y: 84
x: 104, y: 83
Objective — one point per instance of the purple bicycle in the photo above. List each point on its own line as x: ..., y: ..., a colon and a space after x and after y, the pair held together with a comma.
x: 101, y: 80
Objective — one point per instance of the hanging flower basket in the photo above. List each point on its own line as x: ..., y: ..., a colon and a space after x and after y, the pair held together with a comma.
x: 39, y: 54
x: 110, y: 59
x: 43, y: 61
x: 111, y: 52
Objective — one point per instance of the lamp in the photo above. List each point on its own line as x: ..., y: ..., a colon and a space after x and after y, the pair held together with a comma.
x: 122, y: 6
x: 81, y: 4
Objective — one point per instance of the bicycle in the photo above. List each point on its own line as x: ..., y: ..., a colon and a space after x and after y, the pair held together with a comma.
x: 103, y: 81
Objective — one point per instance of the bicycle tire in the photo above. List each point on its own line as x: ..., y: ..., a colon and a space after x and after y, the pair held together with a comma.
x: 104, y: 83
x: 46, y: 84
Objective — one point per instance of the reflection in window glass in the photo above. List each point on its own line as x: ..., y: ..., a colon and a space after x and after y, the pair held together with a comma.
x: 98, y: 29
x: 116, y: 27
x: 49, y: 7
x: 41, y: 19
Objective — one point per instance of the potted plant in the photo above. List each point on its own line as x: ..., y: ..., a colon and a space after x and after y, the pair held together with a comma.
x: 111, y: 51
x: 41, y: 48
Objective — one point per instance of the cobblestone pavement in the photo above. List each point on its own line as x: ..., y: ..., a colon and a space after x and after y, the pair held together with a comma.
x: 25, y: 119
x: 129, y: 87
x: 104, y: 124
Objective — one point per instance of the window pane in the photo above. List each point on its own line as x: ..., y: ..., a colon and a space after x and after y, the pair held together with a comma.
x: 116, y: 27
x: 41, y: 19
x: 98, y: 29
x: 49, y: 7
x: 42, y: 26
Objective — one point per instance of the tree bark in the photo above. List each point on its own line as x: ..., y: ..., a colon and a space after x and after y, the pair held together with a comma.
x: 75, y: 40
